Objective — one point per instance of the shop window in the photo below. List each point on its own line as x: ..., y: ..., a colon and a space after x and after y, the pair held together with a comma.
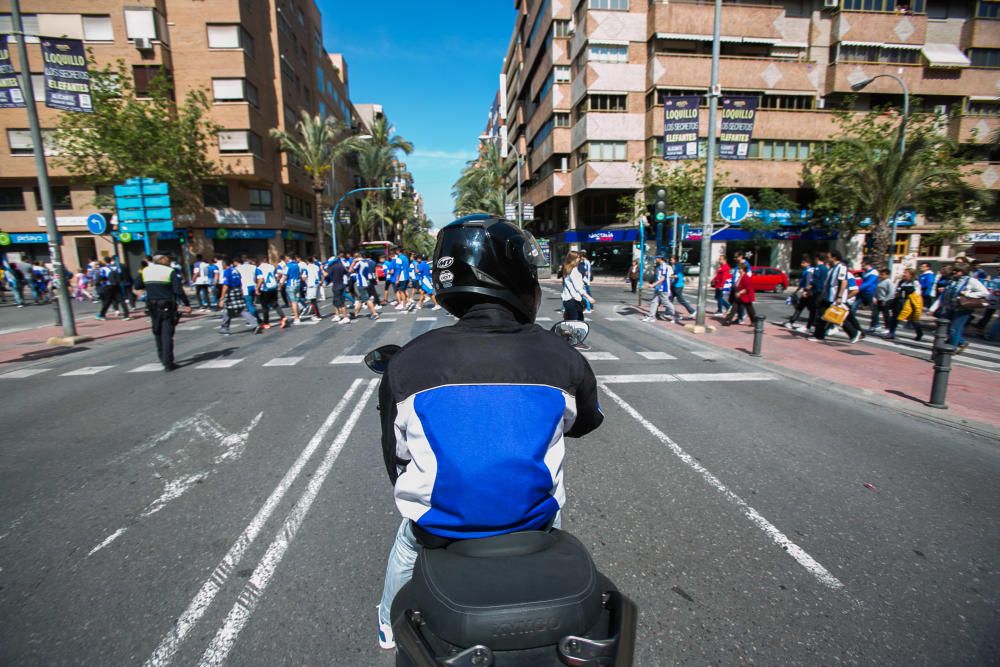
x: 60, y: 198
x: 11, y: 199
x: 215, y: 196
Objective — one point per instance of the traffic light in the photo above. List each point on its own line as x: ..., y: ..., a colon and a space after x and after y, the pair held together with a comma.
x: 660, y: 205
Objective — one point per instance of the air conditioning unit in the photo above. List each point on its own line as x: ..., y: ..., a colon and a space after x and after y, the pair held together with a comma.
x: 143, y: 43
x: 831, y: 4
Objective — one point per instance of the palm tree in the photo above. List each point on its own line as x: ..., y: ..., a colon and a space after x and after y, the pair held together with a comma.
x: 316, y: 144
x: 376, y: 162
x: 480, y: 189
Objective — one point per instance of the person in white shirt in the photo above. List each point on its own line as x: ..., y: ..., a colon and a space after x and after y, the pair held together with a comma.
x: 201, y: 283
x: 248, y: 275
x: 266, y: 282
x: 313, y: 277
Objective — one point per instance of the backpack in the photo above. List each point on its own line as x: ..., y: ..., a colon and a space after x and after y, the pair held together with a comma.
x: 270, y: 282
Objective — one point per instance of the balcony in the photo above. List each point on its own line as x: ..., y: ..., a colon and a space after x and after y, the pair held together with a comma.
x: 879, y: 27
x: 763, y: 174
x: 735, y: 73
x: 744, y: 20
x: 609, y: 127
x: 554, y: 185
x: 920, y: 80
x: 981, y: 33
x: 973, y: 129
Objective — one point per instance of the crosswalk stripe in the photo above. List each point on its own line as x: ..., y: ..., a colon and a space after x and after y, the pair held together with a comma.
x: 543, y: 319
x: 709, y: 355
x: 724, y: 377
x: 305, y: 322
x: 388, y: 319
x: 192, y: 327
x: 87, y: 370
x: 24, y: 373
x: 147, y: 368
x: 284, y: 361
x: 348, y: 359
x: 656, y: 356
x: 600, y: 356
x: 219, y: 363
x: 427, y: 319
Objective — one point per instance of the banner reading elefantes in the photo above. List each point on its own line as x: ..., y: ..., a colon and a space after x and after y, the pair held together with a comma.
x: 680, y: 127
x: 10, y: 89
x: 738, y: 115
x: 67, y: 84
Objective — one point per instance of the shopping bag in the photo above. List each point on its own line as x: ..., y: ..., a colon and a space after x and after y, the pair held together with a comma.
x: 835, y: 314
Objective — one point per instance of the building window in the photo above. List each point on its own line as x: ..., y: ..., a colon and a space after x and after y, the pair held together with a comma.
x: 603, y: 151
x: 38, y: 87
x: 561, y: 119
x: 144, y: 76
x: 543, y: 92
x: 98, y: 29
x: 260, y: 199
x: 562, y: 27
x: 230, y: 36
x: 603, y: 102
x: 30, y: 23
x: 607, y: 53
x: 542, y: 12
x: 20, y: 142
x: 782, y: 150
x: 902, y: 246
x: 929, y: 250
x: 982, y: 108
x: 562, y: 73
x: 899, y: 6
x: 858, y: 53
x: 786, y: 102
x: 240, y: 141
x: 987, y: 9
x: 145, y: 24
x: 984, y: 57
x: 11, y: 199
x: 215, y: 196
x: 60, y: 198
x: 608, y: 4
x: 234, y: 90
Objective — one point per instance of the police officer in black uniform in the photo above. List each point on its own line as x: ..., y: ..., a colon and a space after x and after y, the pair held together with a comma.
x: 163, y: 289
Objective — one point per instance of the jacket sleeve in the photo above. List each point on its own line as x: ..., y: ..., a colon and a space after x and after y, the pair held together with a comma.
x: 388, y: 413
x: 139, y: 284
x: 178, y: 287
x: 588, y: 410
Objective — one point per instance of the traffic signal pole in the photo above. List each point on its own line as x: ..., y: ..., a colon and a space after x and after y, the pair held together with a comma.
x: 65, y: 308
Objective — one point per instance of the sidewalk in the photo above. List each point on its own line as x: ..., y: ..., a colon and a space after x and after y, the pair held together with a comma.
x: 32, y: 345
x: 863, y: 371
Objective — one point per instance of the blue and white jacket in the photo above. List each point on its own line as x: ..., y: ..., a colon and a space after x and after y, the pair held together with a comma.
x: 473, y: 424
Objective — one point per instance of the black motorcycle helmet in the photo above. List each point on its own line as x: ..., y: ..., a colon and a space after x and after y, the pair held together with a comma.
x: 483, y: 259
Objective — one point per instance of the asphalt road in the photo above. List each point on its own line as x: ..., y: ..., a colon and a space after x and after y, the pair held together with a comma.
x: 236, y: 511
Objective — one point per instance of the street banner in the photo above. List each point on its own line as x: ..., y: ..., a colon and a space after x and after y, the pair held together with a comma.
x: 738, y: 114
x: 680, y: 127
x: 67, y: 84
x: 10, y: 89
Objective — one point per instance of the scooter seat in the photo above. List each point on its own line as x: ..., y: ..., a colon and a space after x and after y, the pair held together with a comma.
x: 515, y: 591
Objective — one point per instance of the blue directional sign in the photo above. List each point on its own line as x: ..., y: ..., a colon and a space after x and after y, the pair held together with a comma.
x: 734, y: 207
x: 143, y: 207
x: 97, y: 224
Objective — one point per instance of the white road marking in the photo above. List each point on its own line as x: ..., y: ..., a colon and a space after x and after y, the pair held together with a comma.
x: 284, y: 361
x: 427, y: 319
x: 305, y: 322
x: 543, y: 319
x: 24, y: 373
x: 206, y: 594
x: 725, y: 377
x: 219, y: 363
x: 614, y: 319
x: 246, y: 603
x: 348, y: 359
x: 4, y: 332
x: 709, y: 354
x: 599, y: 356
x: 147, y: 368
x: 959, y: 359
x: 108, y: 540
x: 191, y: 327
x: 387, y: 319
x: 632, y: 379
x: 656, y: 356
x: 87, y: 370
x: 795, y: 551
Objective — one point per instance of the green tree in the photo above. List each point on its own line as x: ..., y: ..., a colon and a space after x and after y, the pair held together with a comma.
x: 127, y: 136
x: 862, y: 174
x: 377, y: 162
x: 316, y: 144
x: 480, y: 187
x: 684, y: 182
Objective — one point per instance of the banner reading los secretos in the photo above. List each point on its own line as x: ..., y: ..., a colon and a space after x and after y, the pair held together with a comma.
x: 10, y: 89
x: 67, y: 84
x: 737, y: 127
x: 680, y: 127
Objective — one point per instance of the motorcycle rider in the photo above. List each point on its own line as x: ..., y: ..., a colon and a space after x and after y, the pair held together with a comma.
x: 474, y: 415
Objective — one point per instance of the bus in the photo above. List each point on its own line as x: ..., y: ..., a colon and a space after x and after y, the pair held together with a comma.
x: 378, y: 249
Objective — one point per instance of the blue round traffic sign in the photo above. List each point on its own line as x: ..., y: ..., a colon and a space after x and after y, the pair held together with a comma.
x: 734, y: 207
x: 96, y: 223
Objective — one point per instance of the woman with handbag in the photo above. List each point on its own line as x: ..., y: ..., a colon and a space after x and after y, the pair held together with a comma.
x: 907, y: 305
x: 959, y: 301
x: 742, y: 293
x: 573, y: 291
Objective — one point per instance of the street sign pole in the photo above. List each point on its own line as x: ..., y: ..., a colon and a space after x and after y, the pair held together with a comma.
x: 64, y: 307
x: 706, y: 210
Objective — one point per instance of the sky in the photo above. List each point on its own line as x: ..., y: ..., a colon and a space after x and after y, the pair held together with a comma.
x: 434, y: 67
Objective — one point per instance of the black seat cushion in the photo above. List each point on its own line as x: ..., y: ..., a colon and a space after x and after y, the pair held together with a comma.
x: 508, y: 592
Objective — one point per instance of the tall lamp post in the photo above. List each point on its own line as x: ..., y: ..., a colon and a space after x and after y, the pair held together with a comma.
x: 333, y: 185
x: 860, y: 85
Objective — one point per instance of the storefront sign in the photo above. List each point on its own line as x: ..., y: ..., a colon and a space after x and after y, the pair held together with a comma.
x: 737, y: 234
x: 232, y: 217
x: 680, y: 127
x: 223, y: 233
x: 67, y: 84
x: 294, y: 236
x: 737, y: 127
x: 983, y: 237
x: 600, y: 236
x: 29, y: 238
x: 10, y: 90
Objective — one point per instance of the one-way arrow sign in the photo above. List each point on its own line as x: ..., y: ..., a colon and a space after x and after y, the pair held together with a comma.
x: 734, y: 207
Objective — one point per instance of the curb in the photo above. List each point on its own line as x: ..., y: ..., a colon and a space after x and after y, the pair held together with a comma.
x: 933, y: 415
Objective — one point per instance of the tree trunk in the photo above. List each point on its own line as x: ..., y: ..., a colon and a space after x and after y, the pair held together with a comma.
x: 881, y: 232
x: 318, y: 213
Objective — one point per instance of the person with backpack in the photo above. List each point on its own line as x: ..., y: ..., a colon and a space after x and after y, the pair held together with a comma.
x: 15, y: 278
x: 232, y: 300
x: 661, y: 292
x: 267, y: 287
x: 677, y: 287
x: 109, y: 289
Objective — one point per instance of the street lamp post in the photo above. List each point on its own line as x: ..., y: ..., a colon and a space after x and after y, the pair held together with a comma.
x: 333, y: 185
x: 860, y: 85
x: 336, y: 207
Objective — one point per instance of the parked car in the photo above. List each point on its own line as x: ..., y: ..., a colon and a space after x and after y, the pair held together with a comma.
x: 769, y: 279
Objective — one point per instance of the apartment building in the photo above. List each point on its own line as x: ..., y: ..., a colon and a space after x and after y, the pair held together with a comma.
x: 584, y: 83
x: 262, y: 62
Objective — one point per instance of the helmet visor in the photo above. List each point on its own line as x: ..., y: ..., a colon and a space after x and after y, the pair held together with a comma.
x: 533, y: 254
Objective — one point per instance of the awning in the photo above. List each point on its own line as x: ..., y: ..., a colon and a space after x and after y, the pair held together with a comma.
x: 758, y: 40
x: 685, y: 37
x: 847, y: 43
x: 728, y: 39
x: 944, y: 55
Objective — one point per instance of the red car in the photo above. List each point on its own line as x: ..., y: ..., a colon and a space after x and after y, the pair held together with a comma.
x: 769, y: 279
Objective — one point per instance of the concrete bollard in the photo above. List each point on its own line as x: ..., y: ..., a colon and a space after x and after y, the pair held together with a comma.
x: 942, y: 368
x: 758, y: 334
x: 941, y: 327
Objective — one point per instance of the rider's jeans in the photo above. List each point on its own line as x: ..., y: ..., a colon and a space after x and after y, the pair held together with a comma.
x: 399, y: 570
